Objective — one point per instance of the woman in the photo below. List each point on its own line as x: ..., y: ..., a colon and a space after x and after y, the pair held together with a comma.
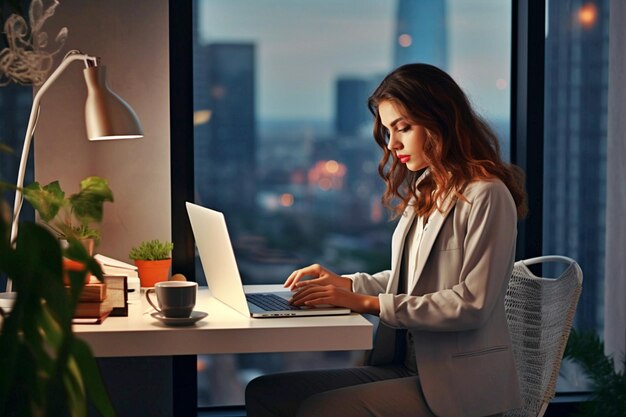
x: 442, y: 346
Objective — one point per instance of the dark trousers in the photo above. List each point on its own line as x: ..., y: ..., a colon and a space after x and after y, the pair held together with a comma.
x: 392, y: 391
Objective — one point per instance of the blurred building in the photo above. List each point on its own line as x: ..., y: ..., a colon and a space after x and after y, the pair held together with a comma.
x: 421, y: 34
x: 575, y: 144
x: 352, y: 114
x: 225, y: 133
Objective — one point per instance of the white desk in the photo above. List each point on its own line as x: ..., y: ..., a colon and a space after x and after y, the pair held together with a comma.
x: 149, y: 368
x: 224, y: 330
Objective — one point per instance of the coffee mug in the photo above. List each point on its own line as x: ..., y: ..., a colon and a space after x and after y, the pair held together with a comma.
x: 176, y: 299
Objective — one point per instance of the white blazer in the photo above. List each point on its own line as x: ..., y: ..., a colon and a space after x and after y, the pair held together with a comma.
x: 455, y: 307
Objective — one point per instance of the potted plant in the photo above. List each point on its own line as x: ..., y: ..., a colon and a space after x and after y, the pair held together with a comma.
x: 77, y: 216
x: 46, y: 369
x: 153, y: 259
x: 608, y: 396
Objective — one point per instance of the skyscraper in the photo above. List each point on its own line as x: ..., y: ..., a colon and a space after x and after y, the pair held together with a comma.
x: 351, y: 112
x: 225, y: 143
x: 575, y: 143
x: 421, y: 33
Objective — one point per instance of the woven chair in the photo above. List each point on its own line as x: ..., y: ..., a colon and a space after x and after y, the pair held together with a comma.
x: 540, y: 313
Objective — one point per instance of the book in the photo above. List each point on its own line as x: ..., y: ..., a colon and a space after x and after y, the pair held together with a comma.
x: 93, y: 309
x: 94, y: 291
x: 90, y: 320
x: 117, y: 294
x: 112, y: 270
x: 112, y: 266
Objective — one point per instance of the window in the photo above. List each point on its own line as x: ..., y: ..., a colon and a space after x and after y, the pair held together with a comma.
x: 576, y: 86
x: 282, y: 136
x: 15, y: 103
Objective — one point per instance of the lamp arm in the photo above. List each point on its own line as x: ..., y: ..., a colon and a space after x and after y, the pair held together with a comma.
x: 32, y: 122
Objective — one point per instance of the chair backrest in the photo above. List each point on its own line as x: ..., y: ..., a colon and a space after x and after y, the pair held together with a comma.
x: 540, y: 312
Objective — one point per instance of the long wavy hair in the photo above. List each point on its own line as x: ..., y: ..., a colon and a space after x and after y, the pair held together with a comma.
x: 460, y: 147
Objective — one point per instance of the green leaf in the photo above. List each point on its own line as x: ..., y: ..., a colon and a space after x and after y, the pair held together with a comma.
x: 92, y: 380
x: 151, y: 250
x: 50, y: 328
x: 75, y: 389
x: 76, y: 251
x: 35, y: 260
x: 44, y: 369
x: 47, y: 200
x: 38, y: 273
x: 87, y: 203
x: 608, y: 397
x: 97, y: 186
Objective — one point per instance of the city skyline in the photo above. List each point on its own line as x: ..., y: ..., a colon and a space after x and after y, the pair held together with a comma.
x: 297, y: 75
x: 314, y: 176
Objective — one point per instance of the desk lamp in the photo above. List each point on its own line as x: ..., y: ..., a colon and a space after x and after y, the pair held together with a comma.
x: 107, y: 117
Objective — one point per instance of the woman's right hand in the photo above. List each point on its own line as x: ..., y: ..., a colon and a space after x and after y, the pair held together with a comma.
x: 320, y: 276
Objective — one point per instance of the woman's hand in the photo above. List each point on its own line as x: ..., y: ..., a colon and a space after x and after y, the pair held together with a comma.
x: 327, y: 288
x: 321, y: 276
x: 315, y: 295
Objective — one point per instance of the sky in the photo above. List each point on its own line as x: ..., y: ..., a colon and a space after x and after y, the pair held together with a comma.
x: 303, y: 46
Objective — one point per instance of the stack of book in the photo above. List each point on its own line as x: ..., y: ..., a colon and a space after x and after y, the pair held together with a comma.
x: 93, y: 304
x: 113, y: 267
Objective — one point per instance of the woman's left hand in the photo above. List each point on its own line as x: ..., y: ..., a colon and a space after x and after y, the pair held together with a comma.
x: 316, y: 295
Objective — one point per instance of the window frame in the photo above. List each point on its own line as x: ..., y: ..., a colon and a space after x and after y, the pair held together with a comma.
x: 184, y: 375
x: 526, y: 141
x: 527, y: 115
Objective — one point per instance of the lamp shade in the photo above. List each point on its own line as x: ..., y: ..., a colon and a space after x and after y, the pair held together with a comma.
x: 107, y: 116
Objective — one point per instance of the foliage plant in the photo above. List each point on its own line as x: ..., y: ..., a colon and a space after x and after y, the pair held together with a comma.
x: 77, y: 216
x: 46, y: 369
x: 151, y: 250
x: 608, y: 397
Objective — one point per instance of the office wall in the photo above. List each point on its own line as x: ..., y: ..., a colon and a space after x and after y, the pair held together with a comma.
x: 131, y: 37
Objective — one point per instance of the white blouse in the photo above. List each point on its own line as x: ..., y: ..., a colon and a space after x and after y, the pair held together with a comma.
x: 411, y: 251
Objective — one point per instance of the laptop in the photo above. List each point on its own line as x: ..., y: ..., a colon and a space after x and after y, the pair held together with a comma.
x: 222, y: 275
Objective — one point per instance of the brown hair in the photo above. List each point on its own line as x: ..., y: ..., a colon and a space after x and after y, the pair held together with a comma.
x: 460, y: 147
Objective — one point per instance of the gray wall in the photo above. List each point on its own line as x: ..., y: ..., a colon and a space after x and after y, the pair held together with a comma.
x: 131, y: 37
x: 615, y: 278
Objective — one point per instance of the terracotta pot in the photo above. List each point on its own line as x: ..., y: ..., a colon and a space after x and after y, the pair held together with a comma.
x: 151, y: 272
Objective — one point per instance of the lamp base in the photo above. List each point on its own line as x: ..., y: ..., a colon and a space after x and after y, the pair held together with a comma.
x: 7, y: 300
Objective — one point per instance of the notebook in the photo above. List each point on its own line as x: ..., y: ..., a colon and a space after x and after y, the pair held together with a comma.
x: 222, y: 275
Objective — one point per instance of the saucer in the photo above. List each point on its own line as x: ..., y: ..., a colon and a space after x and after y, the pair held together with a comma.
x: 180, y: 321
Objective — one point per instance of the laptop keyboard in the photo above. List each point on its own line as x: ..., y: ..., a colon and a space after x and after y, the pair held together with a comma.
x: 270, y: 302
